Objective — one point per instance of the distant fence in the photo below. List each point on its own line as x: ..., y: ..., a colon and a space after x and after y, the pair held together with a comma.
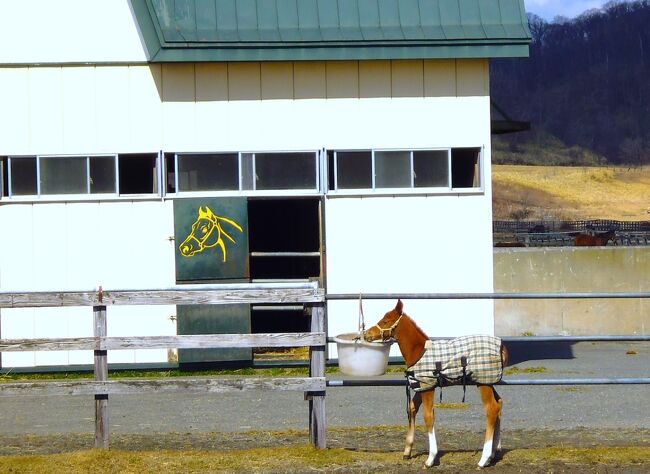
x: 101, y: 387
x: 569, y: 226
x: 563, y: 233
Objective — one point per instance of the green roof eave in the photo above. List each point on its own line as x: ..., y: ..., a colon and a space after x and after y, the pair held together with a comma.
x: 304, y: 30
x: 322, y: 53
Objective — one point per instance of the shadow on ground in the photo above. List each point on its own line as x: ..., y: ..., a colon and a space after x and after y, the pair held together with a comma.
x: 530, y: 350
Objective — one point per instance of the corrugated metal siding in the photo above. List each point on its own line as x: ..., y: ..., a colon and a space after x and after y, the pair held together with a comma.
x: 242, y: 21
x: 331, y: 29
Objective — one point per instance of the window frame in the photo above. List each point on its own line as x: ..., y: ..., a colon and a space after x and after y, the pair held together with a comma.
x: 374, y: 190
x: 242, y: 179
x: 87, y: 195
x: 324, y: 167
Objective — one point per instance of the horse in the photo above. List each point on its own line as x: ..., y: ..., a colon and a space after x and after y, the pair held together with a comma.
x: 207, y: 232
x: 397, y: 325
x: 588, y: 240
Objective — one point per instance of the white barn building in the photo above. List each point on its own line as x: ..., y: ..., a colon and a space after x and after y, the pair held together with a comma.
x: 354, y: 135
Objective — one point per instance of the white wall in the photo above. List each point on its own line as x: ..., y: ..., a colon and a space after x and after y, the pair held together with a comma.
x: 79, y: 246
x: 243, y: 106
x: 374, y: 244
x: 434, y: 244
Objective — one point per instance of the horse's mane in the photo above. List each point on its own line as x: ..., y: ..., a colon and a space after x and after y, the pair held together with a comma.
x: 416, y: 326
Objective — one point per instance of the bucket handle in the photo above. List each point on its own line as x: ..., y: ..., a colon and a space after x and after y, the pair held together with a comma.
x: 362, y: 324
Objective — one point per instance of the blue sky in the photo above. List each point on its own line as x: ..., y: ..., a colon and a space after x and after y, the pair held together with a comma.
x: 549, y: 9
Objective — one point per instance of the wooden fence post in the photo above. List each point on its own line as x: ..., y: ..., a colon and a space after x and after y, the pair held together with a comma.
x: 317, y: 429
x: 101, y: 374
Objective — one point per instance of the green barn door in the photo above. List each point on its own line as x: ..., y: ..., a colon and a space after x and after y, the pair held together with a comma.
x: 214, y: 319
x: 212, y: 247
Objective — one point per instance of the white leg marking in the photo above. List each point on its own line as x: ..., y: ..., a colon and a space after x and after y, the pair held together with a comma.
x: 433, y: 448
x: 487, y: 454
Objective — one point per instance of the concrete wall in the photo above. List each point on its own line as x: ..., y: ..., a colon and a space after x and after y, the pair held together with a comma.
x: 572, y: 269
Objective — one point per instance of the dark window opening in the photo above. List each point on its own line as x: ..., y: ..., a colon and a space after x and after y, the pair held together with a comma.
x: 285, y: 171
x: 353, y: 170
x: 23, y: 176
x: 138, y: 173
x: 465, y: 167
x: 4, y: 182
x: 170, y: 172
x: 208, y: 172
x: 279, y: 226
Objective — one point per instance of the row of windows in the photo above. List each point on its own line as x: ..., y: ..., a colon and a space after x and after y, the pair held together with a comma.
x: 349, y: 171
x: 29, y: 176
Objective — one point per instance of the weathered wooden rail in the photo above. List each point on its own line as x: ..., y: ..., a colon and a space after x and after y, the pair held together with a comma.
x: 308, y: 294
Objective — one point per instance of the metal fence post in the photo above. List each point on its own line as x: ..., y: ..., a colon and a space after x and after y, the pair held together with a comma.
x: 317, y: 429
x: 101, y: 374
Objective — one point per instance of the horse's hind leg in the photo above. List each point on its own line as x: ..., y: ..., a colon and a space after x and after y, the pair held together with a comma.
x: 429, y: 418
x: 411, y: 411
x: 492, y: 404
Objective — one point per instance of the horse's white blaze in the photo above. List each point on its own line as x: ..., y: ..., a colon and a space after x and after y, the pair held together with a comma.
x: 487, y: 454
x: 433, y: 448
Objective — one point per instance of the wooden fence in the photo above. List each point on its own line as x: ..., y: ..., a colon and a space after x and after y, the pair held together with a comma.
x: 310, y: 295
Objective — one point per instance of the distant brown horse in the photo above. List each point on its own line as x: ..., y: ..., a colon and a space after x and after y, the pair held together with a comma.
x: 412, y: 343
x: 587, y: 240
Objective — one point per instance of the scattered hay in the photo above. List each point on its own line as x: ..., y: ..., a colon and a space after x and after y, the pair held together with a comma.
x: 528, y: 370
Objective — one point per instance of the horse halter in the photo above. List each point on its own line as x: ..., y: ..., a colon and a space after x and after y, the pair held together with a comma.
x: 201, y: 241
x: 390, y: 330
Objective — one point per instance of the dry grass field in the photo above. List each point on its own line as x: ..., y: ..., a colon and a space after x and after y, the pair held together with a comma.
x: 568, y: 192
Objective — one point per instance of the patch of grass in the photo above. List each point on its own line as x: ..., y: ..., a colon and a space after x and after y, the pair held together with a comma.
x: 528, y: 370
x: 120, y: 374
x: 571, y: 389
x: 451, y: 406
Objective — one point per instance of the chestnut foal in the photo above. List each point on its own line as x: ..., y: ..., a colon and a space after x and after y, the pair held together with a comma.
x: 411, y: 340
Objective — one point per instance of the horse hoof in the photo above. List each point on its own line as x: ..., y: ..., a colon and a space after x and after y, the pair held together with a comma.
x: 431, y: 461
x: 484, y: 462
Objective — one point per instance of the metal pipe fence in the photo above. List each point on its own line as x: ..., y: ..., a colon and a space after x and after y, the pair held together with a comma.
x: 501, y: 296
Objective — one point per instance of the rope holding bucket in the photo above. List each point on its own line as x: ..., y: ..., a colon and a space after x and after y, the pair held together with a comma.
x: 361, y: 326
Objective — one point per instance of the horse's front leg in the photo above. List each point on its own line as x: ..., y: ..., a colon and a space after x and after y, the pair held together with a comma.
x: 411, y: 411
x: 429, y: 418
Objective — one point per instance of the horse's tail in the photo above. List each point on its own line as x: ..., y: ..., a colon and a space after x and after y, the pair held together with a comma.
x: 504, y: 355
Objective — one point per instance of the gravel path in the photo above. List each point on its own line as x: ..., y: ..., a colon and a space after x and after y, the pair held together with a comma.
x: 534, y: 416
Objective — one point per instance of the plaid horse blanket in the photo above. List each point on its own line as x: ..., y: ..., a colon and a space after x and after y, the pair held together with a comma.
x: 464, y: 360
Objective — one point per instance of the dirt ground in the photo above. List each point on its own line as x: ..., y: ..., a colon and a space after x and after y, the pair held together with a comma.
x: 530, y: 451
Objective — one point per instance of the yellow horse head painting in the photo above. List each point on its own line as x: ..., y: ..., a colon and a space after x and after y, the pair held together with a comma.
x: 206, y: 233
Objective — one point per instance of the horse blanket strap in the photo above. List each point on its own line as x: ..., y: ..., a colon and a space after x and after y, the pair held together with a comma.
x: 473, y: 360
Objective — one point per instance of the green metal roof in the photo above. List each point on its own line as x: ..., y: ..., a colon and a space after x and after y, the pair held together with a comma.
x: 293, y: 30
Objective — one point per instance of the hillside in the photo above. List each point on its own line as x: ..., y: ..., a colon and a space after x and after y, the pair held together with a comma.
x: 570, y: 192
x: 585, y: 83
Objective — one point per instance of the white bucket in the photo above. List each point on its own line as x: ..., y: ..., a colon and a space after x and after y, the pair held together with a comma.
x: 358, y: 357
